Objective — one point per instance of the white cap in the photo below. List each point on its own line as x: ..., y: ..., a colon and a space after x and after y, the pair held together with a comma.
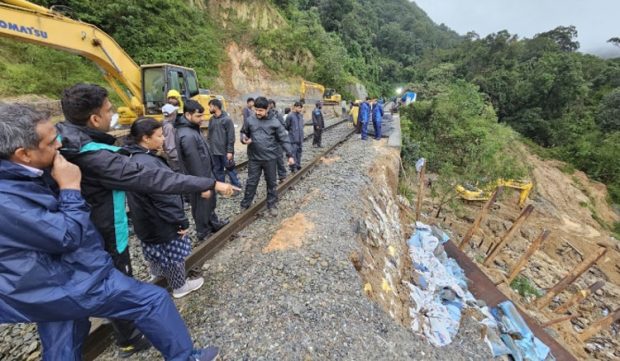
x: 169, y: 109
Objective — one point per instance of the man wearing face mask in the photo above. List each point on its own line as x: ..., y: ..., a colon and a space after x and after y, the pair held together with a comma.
x: 107, y: 173
x: 265, y: 137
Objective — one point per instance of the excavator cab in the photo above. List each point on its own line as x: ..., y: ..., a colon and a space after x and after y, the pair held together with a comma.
x: 158, y: 79
x: 331, y: 97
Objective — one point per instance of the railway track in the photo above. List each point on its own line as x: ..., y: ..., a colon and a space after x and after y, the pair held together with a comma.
x: 337, y: 133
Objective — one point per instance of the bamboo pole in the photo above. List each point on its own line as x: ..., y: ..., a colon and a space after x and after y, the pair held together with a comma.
x: 580, y: 296
x: 483, y: 212
x: 511, y: 232
x: 418, y: 207
x: 526, y: 256
x: 545, y: 299
x: 599, y: 325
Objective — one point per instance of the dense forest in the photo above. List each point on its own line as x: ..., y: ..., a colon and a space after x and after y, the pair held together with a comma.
x: 564, y: 103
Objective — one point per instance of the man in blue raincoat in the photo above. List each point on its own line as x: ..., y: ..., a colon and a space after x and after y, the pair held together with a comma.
x: 364, y: 117
x: 377, y: 118
x: 53, y: 268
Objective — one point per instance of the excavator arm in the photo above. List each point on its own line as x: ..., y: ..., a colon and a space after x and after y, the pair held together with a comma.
x: 28, y: 22
x: 305, y: 85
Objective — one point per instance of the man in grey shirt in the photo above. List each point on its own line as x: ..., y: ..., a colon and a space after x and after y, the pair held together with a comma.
x: 249, y: 110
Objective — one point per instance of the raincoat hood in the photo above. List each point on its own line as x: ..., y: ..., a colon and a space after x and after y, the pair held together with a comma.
x: 175, y: 94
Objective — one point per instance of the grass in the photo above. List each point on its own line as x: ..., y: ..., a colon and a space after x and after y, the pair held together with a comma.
x: 567, y: 168
x: 405, y: 191
x: 525, y: 287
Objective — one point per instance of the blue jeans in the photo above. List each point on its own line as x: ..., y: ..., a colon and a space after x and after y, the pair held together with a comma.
x: 219, y: 163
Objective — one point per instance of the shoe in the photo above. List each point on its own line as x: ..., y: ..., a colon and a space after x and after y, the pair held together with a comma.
x: 219, y: 225
x: 282, y: 179
x: 204, y: 237
x: 189, y: 286
x: 273, y: 212
x: 210, y: 353
x: 137, y: 346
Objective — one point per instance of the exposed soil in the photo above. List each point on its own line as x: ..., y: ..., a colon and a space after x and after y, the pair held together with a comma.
x: 290, y: 234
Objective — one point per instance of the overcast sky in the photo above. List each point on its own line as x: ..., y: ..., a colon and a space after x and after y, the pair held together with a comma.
x: 596, y: 20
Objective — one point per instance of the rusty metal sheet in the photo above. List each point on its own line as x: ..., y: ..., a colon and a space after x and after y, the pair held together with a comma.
x: 482, y: 287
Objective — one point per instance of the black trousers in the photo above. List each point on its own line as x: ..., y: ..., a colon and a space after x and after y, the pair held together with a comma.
x: 296, y: 150
x: 318, y: 134
x: 255, y: 169
x: 203, y: 212
x: 281, y: 166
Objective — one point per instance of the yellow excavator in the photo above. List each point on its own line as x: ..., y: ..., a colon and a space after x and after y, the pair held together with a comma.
x: 142, y: 89
x: 476, y: 194
x: 329, y: 95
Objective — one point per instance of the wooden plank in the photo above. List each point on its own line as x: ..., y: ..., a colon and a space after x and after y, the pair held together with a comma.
x: 558, y: 320
x: 526, y: 256
x: 508, y: 236
x: 580, y: 296
x: 418, y: 206
x: 570, y: 278
x: 599, y: 325
x: 483, y: 212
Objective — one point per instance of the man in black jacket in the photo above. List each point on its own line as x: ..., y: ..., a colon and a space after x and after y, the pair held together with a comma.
x: 196, y: 159
x: 280, y: 160
x: 295, y: 127
x: 265, y: 137
x: 318, y: 123
x: 221, y: 139
x: 106, y: 174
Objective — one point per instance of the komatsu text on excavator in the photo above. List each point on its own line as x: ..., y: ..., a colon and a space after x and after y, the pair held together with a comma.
x: 142, y: 89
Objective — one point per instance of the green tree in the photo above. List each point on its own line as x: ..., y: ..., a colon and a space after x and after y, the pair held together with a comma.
x: 563, y: 36
x: 608, y: 115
